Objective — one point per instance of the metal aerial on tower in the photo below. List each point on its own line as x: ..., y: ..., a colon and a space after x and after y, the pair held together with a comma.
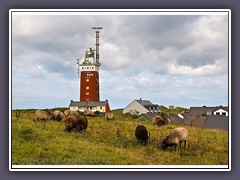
x: 97, y: 30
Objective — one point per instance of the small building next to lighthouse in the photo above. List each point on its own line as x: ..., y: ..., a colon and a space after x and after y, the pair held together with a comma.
x: 88, y: 70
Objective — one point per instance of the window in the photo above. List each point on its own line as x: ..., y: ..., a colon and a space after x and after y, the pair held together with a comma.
x: 87, y: 93
x: 217, y: 113
x: 224, y: 114
x: 87, y: 80
x: 100, y: 107
x: 87, y: 87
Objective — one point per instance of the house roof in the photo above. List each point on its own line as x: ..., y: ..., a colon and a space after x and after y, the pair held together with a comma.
x: 172, y: 117
x: 204, y: 110
x: 198, y: 122
x: 217, y: 122
x: 144, y: 102
x: 147, y: 104
x: 149, y: 116
x: 88, y: 103
x: 195, y: 113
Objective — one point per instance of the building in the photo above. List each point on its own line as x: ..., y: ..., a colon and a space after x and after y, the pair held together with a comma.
x: 167, y: 117
x: 148, y: 116
x: 88, y: 71
x: 209, y: 117
x: 140, y: 107
x: 101, y: 106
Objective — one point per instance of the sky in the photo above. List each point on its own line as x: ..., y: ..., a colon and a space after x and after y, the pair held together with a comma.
x: 179, y: 60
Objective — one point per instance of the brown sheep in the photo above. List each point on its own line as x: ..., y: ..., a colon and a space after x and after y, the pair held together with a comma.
x: 176, y: 136
x: 43, y: 115
x: 159, y: 121
x: 109, y: 116
x: 141, y: 134
x: 58, y: 115
x: 83, y: 124
x: 74, y: 122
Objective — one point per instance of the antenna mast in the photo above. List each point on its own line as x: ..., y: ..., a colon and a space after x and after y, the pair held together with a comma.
x: 97, y: 42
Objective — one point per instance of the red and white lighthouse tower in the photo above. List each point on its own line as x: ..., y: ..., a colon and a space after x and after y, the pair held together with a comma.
x: 89, y: 72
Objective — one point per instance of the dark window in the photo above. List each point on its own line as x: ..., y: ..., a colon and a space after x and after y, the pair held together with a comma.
x: 218, y: 113
x: 224, y: 114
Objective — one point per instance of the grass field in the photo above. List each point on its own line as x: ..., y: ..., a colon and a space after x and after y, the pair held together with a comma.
x: 49, y: 144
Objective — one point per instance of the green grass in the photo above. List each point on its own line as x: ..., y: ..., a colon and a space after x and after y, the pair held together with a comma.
x: 50, y: 144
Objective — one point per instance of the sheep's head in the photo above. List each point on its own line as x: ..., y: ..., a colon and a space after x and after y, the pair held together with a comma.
x: 68, y: 125
x: 164, y: 146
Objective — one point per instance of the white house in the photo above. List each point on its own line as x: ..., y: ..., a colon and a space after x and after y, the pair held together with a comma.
x: 141, y: 106
x: 221, y: 112
x: 101, y: 106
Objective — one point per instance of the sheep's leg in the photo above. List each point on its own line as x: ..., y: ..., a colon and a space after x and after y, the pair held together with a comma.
x: 185, y: 142
x: 180, y: 149
x: 34, y: 121
x: 175, y: 147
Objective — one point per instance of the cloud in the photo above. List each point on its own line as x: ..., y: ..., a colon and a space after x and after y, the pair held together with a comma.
x: 205, y: 70
x: 166, y: 59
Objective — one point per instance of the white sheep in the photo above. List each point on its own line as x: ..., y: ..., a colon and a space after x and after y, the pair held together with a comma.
x: 176, y: 136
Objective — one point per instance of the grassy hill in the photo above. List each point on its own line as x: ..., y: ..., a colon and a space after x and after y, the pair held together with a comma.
x: 176, y: 110
x: 49, y: 143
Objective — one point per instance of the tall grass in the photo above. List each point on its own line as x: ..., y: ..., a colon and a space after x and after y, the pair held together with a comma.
x: 110, y: 143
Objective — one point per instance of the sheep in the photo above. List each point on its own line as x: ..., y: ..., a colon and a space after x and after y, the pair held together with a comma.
x: 75, y: 122
x: 176, y: 136
x: 88, y: 112
x: 158, y: 120
x: 75, y: 113
x: 43, y: 115
x: 58, y: 115
x: 66, y: 113
x: 141, y: 134
x: 109, y: 116
x: 83, y: 124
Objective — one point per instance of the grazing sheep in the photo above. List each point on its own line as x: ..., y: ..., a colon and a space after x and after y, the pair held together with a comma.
x: 75, y: 113
x: 75, y: 122
x: 158, y: 120
x: 141, y: 134
x: 109, y: 116
x: 88, y: 112
x: 176, y: 136
x: 44, y: 115
x: 83, y: 124
x: 58, y: 115
x: 66, y: 113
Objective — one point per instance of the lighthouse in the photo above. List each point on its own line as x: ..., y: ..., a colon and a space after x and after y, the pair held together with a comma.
x: 88, y: 72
